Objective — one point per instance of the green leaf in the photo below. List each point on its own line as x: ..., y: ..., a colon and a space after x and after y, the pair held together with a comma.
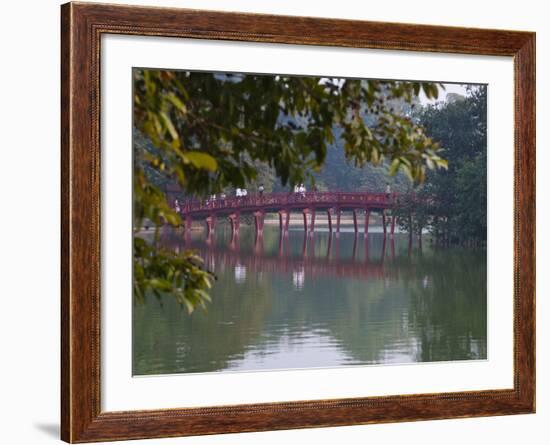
x: 177, y: 102
x: 189, y: 305
x: 169, y: 125
x: 406, y: 169
x: 394, y: 167
x: 201, y: 160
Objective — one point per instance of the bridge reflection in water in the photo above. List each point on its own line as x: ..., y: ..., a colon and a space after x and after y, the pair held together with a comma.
x: 287, y: 302
x: 307, y: 259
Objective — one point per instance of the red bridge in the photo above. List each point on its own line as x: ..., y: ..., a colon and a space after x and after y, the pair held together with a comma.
x: 308, y: 203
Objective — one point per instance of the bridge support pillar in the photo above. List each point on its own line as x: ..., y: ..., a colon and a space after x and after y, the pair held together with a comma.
x: 187, y: 223
x: 384, y: 222
x: 312, y: 226
x: 284, y: 218
x: 304, y: 245
x: 235, y: 220
x: 186, y: 237
x: 338, y: 216
x: 329, y: 218
x: 259, y: 243
x: 304, y: 214
x: 211, y: 225
x: 355, y: 221
x: 367, y: 218
x: 234, y: 243
x: 259, y: 221
x: 392, y: 230
x: 287, y: 223
x: 383, y: 256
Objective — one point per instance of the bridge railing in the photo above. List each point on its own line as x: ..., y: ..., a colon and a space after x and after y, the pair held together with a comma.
x: 285, y: 199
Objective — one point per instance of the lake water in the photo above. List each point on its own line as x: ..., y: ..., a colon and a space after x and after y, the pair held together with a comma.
x: 321, y: 301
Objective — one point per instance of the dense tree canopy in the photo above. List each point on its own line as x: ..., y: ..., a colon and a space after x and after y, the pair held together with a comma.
x: 453, y: 203
x: 212, y: 131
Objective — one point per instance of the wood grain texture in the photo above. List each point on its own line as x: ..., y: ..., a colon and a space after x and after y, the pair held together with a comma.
x: 81, y: 28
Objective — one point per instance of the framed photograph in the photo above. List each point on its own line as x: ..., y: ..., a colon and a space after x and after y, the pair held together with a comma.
x: 274, y: 222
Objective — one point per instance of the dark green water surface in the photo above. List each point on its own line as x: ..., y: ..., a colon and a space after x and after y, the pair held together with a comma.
x: 321, y: 301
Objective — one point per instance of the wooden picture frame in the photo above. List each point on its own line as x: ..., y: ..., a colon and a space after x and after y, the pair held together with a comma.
x: 82, y: 26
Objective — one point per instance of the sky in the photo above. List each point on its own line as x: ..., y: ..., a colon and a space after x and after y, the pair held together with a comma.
x: 449, y: 88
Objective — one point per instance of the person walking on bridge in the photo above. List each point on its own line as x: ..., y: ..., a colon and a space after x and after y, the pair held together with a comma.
x: 244, y: 193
